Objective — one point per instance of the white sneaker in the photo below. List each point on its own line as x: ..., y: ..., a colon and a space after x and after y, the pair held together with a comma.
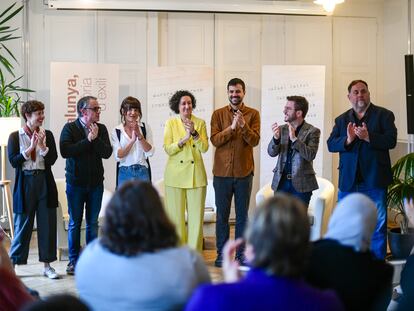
x: 50, y: 273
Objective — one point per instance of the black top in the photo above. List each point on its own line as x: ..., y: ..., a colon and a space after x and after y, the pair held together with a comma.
x: 84, y: 158
x: 360, y: 280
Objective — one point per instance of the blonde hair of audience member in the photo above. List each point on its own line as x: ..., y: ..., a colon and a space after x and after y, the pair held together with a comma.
x: 277, y: 240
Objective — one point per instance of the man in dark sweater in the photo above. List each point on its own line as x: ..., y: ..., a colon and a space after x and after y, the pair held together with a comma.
x: 83, y: 143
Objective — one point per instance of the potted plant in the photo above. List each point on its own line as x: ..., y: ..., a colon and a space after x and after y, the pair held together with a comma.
x: 9, y: 92
x: 401, y: 239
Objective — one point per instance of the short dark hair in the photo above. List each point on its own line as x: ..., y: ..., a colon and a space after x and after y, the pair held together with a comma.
x: 82, y: 103
x: 234, y: 82
x: 136, y: 222
x: 31, y: 106
x: 279, y: 235
x: 355, y: 82
x: 127, y: 104
x: 175, y: 100
x: 301, y: 103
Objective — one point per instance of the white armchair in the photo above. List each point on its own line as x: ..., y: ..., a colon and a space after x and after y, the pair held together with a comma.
x: 320, y: 206
x: 63, y: 216
x: 209, y: 209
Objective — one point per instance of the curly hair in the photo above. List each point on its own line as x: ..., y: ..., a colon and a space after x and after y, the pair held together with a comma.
x: 175, y: 100
x: 279, y: 235
x: 136, y: 222
x: 127, y: 104
x: 31, y: 106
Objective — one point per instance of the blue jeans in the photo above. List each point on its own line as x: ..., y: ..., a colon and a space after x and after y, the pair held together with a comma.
x: 224, y: 188
x: 379, y: 196
x: 136, y: 171
x: 285, y: 185
x: 78, y: 198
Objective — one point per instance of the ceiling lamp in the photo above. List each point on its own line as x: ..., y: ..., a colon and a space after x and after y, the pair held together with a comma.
x: 328, y: 5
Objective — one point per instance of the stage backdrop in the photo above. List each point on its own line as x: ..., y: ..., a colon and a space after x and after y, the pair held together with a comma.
x: 71, y: 81
x: 277, y: 83
x: 163, y: 82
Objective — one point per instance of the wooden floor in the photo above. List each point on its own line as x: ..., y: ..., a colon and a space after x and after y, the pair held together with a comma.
x: 32, y: 273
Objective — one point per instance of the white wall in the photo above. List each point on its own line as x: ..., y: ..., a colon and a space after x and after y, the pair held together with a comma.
x: 363, y: 39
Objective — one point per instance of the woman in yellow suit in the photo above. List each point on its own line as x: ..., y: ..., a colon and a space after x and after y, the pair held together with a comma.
x: 185, y: 138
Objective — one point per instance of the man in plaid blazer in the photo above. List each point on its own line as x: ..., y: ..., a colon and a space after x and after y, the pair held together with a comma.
x: 296, y: 143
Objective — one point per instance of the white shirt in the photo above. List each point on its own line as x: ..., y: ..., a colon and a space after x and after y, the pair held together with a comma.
x: 136, y: 155
x: 29, y: 164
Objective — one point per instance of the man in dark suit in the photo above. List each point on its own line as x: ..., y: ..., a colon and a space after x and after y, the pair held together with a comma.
x: 296, y: 143
x: 363, y: 136
x: 83, y: 143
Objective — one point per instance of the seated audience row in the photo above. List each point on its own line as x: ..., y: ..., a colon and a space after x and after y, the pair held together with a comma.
x: 138, y: 264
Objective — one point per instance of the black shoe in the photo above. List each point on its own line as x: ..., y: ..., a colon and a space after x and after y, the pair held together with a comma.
x: 219, y: 261
x: 70, y: 268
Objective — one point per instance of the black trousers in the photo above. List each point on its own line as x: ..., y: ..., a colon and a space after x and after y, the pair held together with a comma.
x: 35, y: 198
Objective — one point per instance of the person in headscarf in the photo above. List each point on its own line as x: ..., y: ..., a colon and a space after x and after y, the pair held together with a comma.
x: 342, y: 260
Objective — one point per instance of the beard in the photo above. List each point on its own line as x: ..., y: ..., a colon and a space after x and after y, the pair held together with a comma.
x: 361, y: 106
x: 235, y: 100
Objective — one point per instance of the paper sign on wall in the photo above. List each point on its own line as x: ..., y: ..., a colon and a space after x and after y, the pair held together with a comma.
x: 71, y: 81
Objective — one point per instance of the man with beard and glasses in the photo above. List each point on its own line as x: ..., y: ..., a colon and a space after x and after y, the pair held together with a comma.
x: 363, y: 136
x: 296, y: 144
x: 235, y: 130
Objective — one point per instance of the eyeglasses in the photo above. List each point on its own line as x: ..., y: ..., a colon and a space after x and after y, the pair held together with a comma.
x: 95, y: 109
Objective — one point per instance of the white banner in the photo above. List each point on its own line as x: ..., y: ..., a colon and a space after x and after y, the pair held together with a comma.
x: 71, y: 81
x: 163, y: 82
x: 278, y: 82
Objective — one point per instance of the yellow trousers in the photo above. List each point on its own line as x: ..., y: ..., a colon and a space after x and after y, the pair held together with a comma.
x: 180, y: 200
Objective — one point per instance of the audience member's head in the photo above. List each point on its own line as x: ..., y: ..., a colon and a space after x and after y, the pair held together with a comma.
x: 279, y: 236
x: 353, y: 222
x: 57, y: 302
x: 135, y: 221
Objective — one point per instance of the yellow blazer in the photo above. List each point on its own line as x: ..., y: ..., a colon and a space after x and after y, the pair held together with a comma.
x: 185, y: 166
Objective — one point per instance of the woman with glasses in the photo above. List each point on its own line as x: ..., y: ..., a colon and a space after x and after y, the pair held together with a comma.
x: 132, y: 143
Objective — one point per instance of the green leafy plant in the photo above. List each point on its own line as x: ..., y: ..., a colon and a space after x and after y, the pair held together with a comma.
x: 401, y: 188
x: 10, y: 98
x: 6, y: 34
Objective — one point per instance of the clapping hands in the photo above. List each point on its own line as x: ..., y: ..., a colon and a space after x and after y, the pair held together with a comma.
x: 238, y: 120
x: 354, y: 131
x: 93, y: 131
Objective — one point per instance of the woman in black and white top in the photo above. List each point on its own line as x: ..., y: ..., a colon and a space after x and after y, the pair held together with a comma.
x: 32, y: 152
x: 132, y: 143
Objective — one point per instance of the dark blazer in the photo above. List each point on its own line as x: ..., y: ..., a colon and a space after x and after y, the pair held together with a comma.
x: 304, y: 151
x: 84, y: 158
x: 16, y: 160
x: 360, y: 280
x: 373, y: 157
